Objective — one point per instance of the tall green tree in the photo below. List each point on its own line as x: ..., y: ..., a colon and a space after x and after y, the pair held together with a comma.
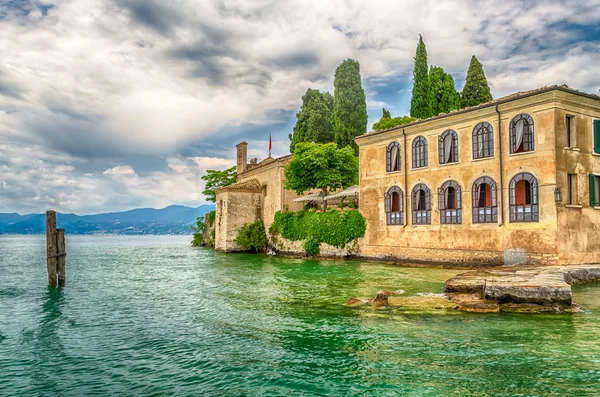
x: 386, y: 114
x: 476, y: 90
x: 321, y: 166
x: 349, y: 104
x: 419, y: 103
x: 443, y: 96
x: 217, y: 179
x: 314, y: 120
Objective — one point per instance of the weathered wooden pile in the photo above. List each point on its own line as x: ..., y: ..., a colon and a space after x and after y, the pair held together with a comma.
x: 56, y: 252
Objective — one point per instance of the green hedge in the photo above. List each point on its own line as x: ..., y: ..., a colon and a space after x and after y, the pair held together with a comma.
x: 333, y: 227
x: 252, y: 237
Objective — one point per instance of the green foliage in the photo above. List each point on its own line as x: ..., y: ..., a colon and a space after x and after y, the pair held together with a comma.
x: 321, y: 166
x: 419, y: 103
x: 216, y: 179
x: 211, y: 217
x: 252, y: 237
x: 386, y: 114
x: 389, y: 122
x: 336, y: 228
x: 314, y: 120
x: 198, y: 237
x: 476, y: 90
x: 443, y: 96
x: 349, y: 104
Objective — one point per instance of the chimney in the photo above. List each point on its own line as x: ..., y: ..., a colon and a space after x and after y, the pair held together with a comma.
x: 242, y: 157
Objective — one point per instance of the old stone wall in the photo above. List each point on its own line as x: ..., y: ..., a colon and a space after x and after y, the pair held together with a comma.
x: 234, y: 209
x: 468, y: 241
x: 294, y: 248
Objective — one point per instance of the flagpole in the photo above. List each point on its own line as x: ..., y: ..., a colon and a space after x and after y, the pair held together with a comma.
x: 270, y: 144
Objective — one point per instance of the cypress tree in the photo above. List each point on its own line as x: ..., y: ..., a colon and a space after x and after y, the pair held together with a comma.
x: 386, y: 114
x: 420, y: 101
x: 314, y: 120
x: 476, y: 90
x: 442, y: 93
x: 349, y: 104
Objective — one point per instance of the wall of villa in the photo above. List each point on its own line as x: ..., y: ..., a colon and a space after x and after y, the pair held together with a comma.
x: 468, y: 242
x: 579, y: 222
x: 234, y: 209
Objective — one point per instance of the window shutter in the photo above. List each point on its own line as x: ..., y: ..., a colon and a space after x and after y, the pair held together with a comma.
x: 596, y: 136
x: 593, y: 198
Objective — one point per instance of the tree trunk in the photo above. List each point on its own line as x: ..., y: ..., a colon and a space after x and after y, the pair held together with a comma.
x: 324, y: 201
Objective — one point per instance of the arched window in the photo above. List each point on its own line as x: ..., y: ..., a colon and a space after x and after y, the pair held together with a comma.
x: 485, y: 202
x: 483, y: 141
x: 523, y: 195
x: 421, y: 205
x: 394, y: 206
x: 448, y: 147
x: 450, y: 203
x: 521, y: 134
x: 393, y: 157
x: 419, y: 152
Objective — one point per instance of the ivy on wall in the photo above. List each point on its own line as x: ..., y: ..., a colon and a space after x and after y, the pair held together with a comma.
x: 336, y: 228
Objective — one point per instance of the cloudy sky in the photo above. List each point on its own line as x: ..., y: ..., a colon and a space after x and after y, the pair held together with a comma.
x: 115, y: 104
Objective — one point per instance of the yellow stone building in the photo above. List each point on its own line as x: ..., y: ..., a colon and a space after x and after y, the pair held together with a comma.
x: 511, y: 181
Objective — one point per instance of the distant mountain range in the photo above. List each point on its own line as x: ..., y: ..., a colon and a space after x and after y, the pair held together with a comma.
x: 174, y: 219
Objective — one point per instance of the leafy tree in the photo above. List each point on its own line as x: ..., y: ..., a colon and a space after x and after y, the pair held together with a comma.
x: 443, y: 96
x: 314, y: 120
x: 349, y: 104
x: 198, y: 238
x: 385, y: 123
x: 476, y: 90
x: 217, y: 179
x: 386, y: 114
x: 321, y: 166
x: 419, y: 103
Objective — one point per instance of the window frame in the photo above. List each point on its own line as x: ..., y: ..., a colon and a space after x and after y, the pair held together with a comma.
x: 484, y: 214
x: 394, y: 217
x: 421, y: 217
x: 450, y: 215
x: 420, y: 156
x: 483, y: 132
x: 388, y: 159
x: 524, y: 213
x: 454, y: 148
x: 528, y: 140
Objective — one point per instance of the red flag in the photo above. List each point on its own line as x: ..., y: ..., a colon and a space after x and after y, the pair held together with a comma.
x: 270, y: 145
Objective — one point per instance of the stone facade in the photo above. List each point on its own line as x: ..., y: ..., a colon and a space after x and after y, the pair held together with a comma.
x: 562, y: 232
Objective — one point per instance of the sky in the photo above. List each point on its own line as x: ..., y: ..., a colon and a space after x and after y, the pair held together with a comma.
x: 109, y: 105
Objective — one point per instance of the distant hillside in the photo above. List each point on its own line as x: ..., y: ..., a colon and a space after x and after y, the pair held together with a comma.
x: 174, y: 219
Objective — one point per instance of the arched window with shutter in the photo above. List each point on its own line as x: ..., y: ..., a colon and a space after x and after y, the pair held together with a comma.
x: 523, y: 197
x: 393, y: 159
x: 421, y: 205
x: 521, y: 134
x: 419, y: 152
x: 483, y: 141
x: 394, y: 206
x: 450, y: 203
x: 485, y: 202
x: 448, y: 147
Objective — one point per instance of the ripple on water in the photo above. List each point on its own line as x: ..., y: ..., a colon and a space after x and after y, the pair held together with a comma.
x: 152, y: 316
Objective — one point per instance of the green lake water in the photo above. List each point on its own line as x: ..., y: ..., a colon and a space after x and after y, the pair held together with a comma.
x: 151, y: 316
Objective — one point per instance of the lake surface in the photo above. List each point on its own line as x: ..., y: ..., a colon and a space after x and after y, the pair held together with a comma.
x: 151, y: 316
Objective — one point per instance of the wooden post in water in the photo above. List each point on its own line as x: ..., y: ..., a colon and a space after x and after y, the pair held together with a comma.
x: 51, y: 248
x: 61, y: 256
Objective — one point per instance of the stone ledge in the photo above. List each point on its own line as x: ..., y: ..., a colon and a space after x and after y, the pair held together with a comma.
x: 533, y: 288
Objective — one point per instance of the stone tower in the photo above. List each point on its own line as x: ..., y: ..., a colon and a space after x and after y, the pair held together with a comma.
x: 242, y: 157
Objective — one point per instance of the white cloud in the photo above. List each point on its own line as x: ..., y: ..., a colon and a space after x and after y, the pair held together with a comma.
x: 104, y: 80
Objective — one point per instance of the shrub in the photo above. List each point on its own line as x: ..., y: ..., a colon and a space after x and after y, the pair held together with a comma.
x: 336, y: 228
x: 252, y: 237
x: 198, y: 229
x: 211, y: 217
